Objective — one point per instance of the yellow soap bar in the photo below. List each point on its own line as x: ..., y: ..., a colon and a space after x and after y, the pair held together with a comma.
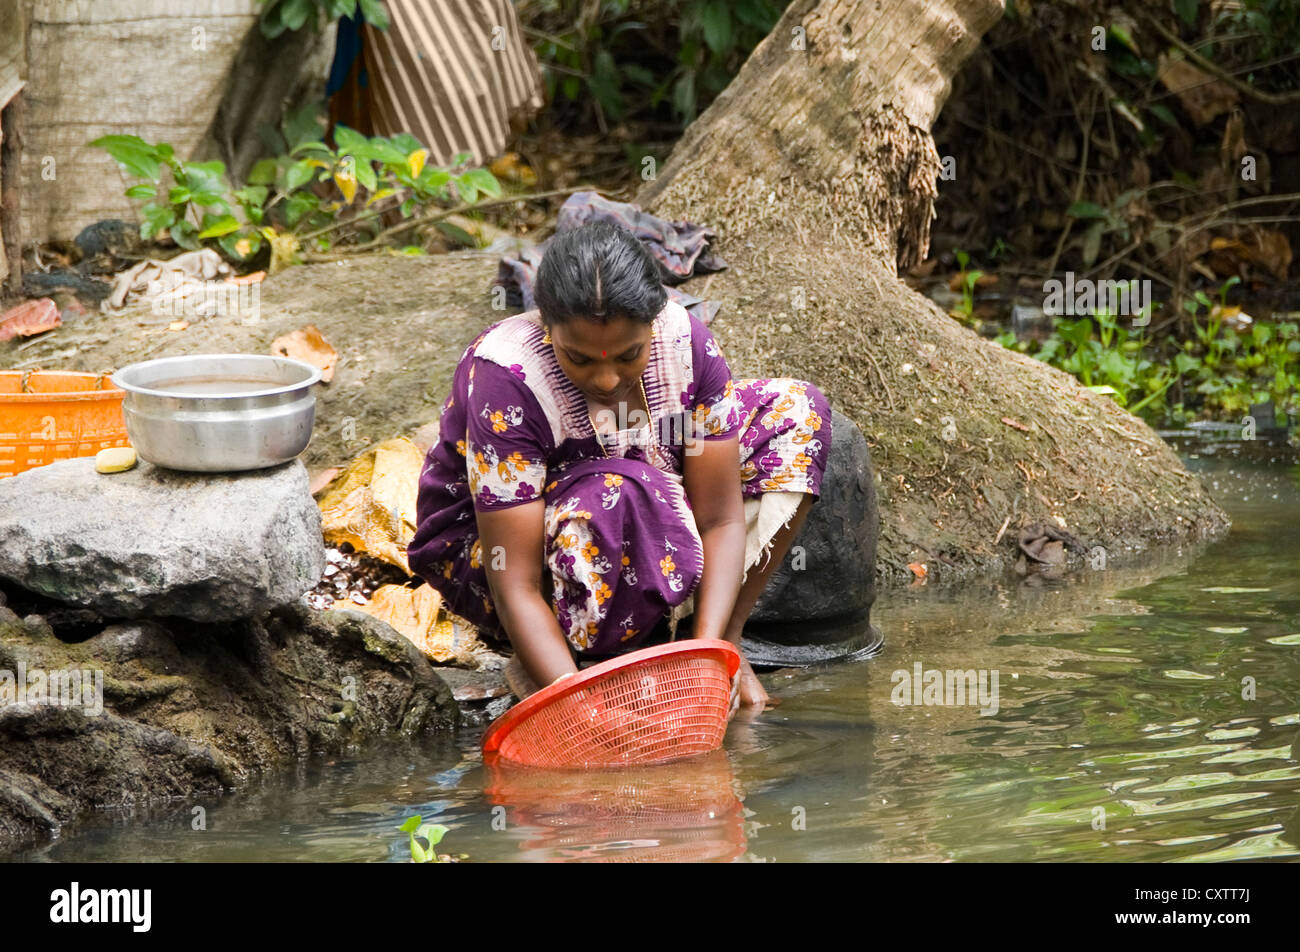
x: 118, y: 459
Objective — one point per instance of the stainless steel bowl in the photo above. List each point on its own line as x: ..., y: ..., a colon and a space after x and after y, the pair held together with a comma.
x: 214, y: 413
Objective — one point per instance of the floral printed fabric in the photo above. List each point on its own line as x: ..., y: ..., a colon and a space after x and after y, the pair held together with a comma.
x: 620, y: 543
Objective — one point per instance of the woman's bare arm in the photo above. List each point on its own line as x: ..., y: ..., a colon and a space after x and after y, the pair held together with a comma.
x: 511, y: 542
x: 711, y: 478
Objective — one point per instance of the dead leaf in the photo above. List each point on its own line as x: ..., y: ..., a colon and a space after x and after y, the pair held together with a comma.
x: 419, y: 616
x: 321, y: 480
x: 307, y: 344
x: 371, y: 505
x: 284, y: 249
x: 30, y: 318
x: 511, y: 168
x: 1201, y: 95
x: 253, y: 277
x: 178, y: 325
x: 1269, y: 250
x: 1233, y: 145
x: 918, y: 569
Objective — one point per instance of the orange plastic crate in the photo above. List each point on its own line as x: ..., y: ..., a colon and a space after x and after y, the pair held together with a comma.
x: 48, y: 415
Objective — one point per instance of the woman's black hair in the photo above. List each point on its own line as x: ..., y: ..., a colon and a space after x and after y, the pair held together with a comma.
x: 598, y: 271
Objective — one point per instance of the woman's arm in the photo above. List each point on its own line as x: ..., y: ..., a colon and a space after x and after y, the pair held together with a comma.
x: 511, y: 543
x: 711, y: 478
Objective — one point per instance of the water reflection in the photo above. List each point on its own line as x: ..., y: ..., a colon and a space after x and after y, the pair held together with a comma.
x: 686, y: 811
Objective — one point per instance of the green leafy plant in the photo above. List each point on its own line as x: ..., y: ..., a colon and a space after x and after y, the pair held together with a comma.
x: 626, y: 57
x: 965, y: 311
x: 432, y: 834
x: 281, y: 15
x: 312, y: 196
x: 1219, y: 371
x: 197, y: 204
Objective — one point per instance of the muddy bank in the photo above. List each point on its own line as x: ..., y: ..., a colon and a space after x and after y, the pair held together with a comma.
x: 968, y: 440
x: 171, y: 708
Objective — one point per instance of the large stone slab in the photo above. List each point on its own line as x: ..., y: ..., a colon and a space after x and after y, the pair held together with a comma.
x: 153, y: 542
x: 830, y: 570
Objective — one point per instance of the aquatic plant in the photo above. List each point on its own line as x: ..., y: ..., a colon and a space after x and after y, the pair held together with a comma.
x: 432, y: 833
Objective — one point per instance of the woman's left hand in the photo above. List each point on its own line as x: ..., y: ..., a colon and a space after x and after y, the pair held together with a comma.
x: 751, y: 693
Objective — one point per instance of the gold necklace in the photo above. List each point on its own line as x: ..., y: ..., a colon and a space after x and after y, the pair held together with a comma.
x: 654, y: 443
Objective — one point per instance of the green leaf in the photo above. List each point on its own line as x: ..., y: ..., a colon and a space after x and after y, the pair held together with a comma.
x: 252, y: 196
x: 405, y: 143
x: 366, y: 176
x: 178, y: 195
x: 433, y: 832
x: 418, y: 852
x: 263, y: 172
x: 299, y: 204
x: 1092, y: 243
x: 1164, y: 114
x: 638, y: 74
x: 432, y: 180
x: 185, y: 235
x: 294, y: 13
x: 206, y: 180
x: 374, y: 13
x: 132, y: 153
x: 1086, y: 210
x: 1122, y: 35
x: 156, y: 218
x: 215, y: 226
x: 385, y: 151
x: 684, y: 96
x: 715, y: 21
x: 412, y: 824
x: 250, y: 241
x: 302, y: 125
x: 456, y: 234
x: 298, y: 175
x: 351, y: 142
x: 483, y: 180
x: 141, y: 191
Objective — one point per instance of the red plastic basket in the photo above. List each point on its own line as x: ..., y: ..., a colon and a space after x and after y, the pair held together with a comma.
x: 646, y: 707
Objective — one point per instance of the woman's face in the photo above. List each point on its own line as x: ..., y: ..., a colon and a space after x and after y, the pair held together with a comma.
x: 604, y: 361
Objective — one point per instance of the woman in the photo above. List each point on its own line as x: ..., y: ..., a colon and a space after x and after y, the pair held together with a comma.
x: 546, y: 461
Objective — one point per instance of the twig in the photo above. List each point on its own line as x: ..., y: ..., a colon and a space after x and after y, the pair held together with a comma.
x: 1272, y: 99
x: 37, y: 340
x: 1005, y: 522
x: 888, y: 393
x: 1078, y: 185
x: 387, y: 233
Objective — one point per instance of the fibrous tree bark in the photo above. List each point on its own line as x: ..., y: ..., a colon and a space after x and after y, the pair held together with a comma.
x: 817, y: 170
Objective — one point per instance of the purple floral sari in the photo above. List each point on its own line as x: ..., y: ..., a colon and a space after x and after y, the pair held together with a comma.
x: 621, y: 544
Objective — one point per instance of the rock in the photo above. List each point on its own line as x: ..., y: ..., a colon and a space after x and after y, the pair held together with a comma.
x: 156, y: 542
x: 185, y: 708
x: 837, y: 579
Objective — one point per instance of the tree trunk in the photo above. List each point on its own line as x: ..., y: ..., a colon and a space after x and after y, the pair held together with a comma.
x: 817, y: 170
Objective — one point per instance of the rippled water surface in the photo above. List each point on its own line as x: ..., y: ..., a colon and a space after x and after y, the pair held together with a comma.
x: 1121, y: 733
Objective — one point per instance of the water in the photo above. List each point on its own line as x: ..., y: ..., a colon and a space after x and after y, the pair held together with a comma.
x: 215, y: 384
x: 1121, y: 734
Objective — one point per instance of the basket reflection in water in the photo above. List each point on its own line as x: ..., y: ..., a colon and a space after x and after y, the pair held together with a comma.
x: 687, y: 811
